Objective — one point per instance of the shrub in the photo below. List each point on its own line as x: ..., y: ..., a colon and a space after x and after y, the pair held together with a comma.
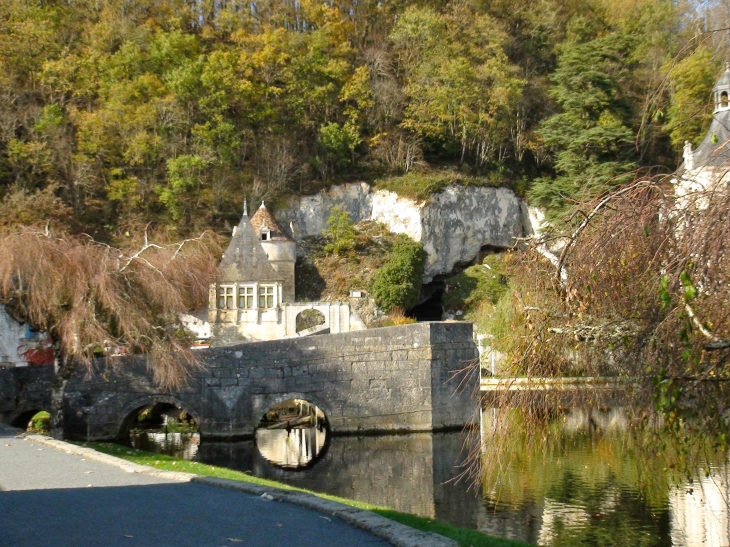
x: 398, y: 282
x: 340, y: 230
x: 40, y: 423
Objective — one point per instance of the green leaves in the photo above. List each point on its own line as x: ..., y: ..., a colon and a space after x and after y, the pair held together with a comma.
x: 398, y: 283
x: 690, y: 111
x: 690, y: 291
x: 461, y: 89
x: 590, y: 138
x: 340, y: 230
x: 183, y: 174
x: 664, y: 295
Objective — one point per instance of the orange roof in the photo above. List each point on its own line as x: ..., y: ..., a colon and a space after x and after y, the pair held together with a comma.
x: 262, y: 218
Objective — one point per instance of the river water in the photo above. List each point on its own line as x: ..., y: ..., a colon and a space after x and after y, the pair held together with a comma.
x: 582, y: 481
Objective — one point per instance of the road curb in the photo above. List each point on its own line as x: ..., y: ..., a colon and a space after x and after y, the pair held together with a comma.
x: 393, y: 532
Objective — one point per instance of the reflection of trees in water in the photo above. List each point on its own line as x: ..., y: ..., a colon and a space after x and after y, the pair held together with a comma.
x: 595, y: 485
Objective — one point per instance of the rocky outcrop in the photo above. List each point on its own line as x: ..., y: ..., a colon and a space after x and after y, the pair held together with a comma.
x: 454, y: 225
x: 307, y: 215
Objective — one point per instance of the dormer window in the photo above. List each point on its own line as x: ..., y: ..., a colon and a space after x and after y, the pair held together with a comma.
x: 265, y: 232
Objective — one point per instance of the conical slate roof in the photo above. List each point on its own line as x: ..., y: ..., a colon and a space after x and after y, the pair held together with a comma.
x: 715, y: 149
x: 245, y: 260
x: 724, y: 79
x: 261, y: 218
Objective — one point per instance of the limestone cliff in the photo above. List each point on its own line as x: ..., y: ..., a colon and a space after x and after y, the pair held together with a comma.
x: 453, y: 225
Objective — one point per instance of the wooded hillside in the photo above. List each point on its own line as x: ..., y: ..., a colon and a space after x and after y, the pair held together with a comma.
x: 116, y: 113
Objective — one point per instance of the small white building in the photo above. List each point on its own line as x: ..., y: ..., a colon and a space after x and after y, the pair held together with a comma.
x: 253, y: 297
x: 707, y: 166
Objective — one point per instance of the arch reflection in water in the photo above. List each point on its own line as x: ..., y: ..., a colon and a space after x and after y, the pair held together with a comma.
x: 292, y: 434
x: 298, y: 448
x: 177, y: 445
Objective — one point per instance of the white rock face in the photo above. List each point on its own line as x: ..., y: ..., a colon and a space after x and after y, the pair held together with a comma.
x: 400, y: 215
x: 307, y: 215
x: 453, y: 225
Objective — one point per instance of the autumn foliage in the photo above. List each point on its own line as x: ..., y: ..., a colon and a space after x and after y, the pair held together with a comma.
x: 89, y: 296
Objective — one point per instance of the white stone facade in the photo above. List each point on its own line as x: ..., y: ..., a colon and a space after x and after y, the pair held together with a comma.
x: 14, y: 339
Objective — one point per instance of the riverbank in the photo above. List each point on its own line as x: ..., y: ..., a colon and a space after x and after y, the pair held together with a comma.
x: 464, y: 537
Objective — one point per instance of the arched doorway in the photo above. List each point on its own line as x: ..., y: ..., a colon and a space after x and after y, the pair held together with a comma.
x: 309, y: 319
x: 293, y: 434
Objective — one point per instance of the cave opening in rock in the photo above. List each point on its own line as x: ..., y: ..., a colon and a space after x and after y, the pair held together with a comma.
x: 431, y: 307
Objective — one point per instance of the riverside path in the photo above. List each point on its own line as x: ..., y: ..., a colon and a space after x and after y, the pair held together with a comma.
x: 55, y: 497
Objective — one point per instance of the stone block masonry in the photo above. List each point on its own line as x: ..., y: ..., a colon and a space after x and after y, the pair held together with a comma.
x: 392, y: 379
x: 23, y: 392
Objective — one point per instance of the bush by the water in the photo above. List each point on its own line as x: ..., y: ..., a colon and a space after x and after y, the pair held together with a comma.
x: 398, y: 282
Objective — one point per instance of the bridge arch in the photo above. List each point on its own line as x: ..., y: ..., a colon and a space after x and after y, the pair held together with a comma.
x: 129, y: 412
x: 21, y: 417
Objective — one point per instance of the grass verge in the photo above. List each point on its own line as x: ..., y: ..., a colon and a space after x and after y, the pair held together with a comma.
x: 463, y: 536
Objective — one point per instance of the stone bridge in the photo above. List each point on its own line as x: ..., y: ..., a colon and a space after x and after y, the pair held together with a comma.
x: 393, y: 379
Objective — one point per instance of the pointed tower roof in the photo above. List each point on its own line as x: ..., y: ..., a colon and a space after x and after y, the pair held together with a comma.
x: 245, y: 260
x: 263, y: 218
x: 715, y: 148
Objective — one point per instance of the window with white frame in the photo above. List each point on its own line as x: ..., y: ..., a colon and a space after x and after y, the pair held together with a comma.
x: 266, y: 297
x: 245, y: 297
x: 225, y: 298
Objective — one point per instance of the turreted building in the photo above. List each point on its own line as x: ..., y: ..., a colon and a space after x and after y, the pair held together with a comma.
x: 253, y: 298
x: 707, y: 166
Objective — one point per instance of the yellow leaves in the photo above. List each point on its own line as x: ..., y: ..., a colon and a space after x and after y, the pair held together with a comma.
x: 122, y: 189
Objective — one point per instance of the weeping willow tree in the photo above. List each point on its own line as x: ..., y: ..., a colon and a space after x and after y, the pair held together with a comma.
x: 89, y: 297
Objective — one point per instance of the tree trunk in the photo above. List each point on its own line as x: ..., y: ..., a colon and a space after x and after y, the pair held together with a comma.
x: 64, y: 369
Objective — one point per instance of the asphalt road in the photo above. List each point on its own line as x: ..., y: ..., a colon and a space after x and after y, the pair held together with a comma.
x: 52, y: 498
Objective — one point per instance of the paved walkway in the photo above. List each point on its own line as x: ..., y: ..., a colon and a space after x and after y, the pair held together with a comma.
x: 54, y: 497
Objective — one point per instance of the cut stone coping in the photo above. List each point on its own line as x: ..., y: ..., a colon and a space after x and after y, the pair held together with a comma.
x: 395, y: 533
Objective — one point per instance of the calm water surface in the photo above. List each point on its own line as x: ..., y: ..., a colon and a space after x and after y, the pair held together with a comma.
x: 585, y: 484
